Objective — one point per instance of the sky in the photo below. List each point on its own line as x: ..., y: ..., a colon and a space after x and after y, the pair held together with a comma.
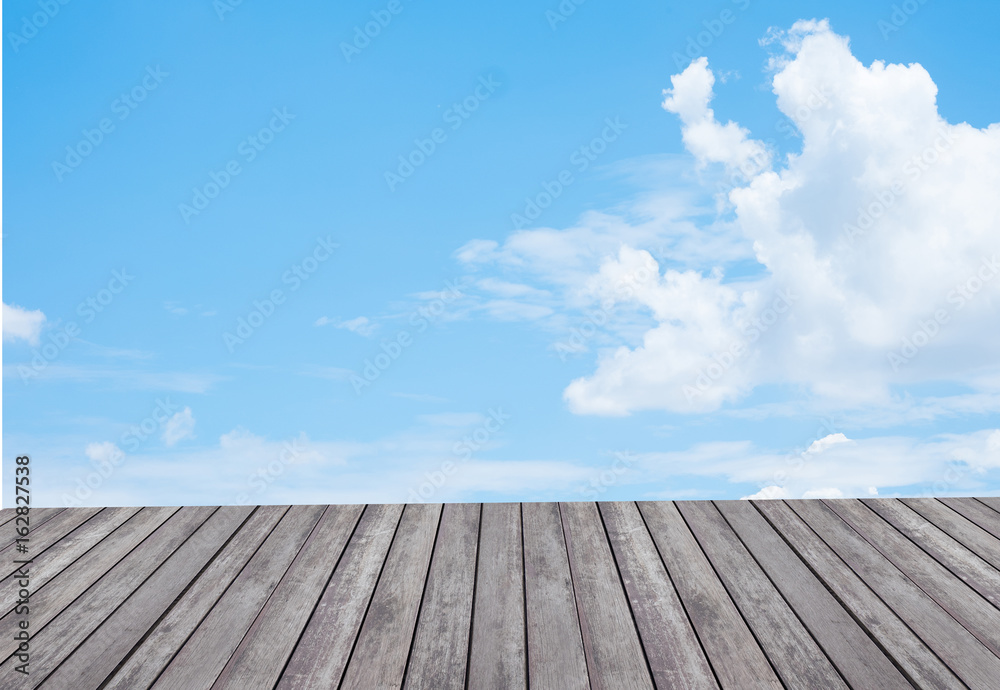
x: 400, y: 251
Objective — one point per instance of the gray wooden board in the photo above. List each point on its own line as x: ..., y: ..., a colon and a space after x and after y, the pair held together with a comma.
x: 36, y: 518
x: 206, y: 652
x: 51, y: 532
x: 78, y: 620
x: 59, y: 556
x: 675, y: 656
x: 852, y: 651
x: 950, y: 593
x: 149, y: 659
x: 498, y: 657
x: 439, y: 658
x: 555, y: 648
x: 990, y: 502
x: 792, y: 651
x: 958, y: 527
x: 321, y: 655
x: 51, y: 599
x: 962, y: 562
x: 258, y: 661
x: 383, y: 645
x: 955, y: 645
x: 979, y: 512
x: 101, y: 653
x: 736, y: 658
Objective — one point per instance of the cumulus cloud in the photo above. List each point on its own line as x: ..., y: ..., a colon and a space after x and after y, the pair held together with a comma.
x: 178, y: 427
x: 21, y: 324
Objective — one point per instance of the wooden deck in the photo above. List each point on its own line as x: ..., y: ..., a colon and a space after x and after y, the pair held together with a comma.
x: 879, y: 593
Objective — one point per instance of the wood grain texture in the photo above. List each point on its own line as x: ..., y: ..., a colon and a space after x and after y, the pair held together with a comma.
x: 209, y: 648
x: 736, y: 658
x: 101, y: 653
x: 380, y: 654
x: 858, y: 658
x: 555, y: 647
x: 675, y: 656
x: 321, y: 655
x: 148, y: 660
x: 793, y: 652
x: 37, y: 517
x: 979, y: 511
x: 956, y: 646
x: 958, y: 527
x: 498, y: 657
x: 439, y: 658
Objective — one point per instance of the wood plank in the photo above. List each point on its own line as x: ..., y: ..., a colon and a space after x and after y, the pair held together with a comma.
x: 555, y: 647
x: 736, y: 658
x: 793, y: 652
x: 101, y: 653
x: 990, y: 502
x: 615, y: 657
x: 963, y: 563
x: 499, y: 655
x: 957, y: 647
x: 50, y: 532
x: 958, y: 527
x: 57, y: 640
x: 258, y: 661
x: 48, y: 601
x: 440, y: 654
x: 675, y: 656
x: 148, y: 660
x: 59, y: 556
x: 976, y: 511
x: 383, y: 646
x: 851, y: 650
x: 37, y: 517
x: 204, y: 655
x: 321, y: 655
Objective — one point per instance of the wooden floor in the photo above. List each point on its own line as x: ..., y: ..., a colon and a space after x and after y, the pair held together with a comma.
x: 879, y: 593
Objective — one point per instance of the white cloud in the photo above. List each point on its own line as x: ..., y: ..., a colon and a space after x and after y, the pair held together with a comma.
x: 360, y: 325
x: 178, y: 427
x: 829, y: 492
x: 105, y: 453
x: 768, y: 493
x: 822, y: 444
x: 21, y: 324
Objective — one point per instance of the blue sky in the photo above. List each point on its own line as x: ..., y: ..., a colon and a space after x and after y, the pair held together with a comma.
x: 221, y: 222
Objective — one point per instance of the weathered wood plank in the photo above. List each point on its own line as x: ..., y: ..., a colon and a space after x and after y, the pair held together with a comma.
x: 990, y: 502
x: 962, y: 562
x: 59, y: 556
x: 148, y: 660
x: 101, y: 653
x: 849, y: 647
x: 958, y: 527
x: 736, y: 658
x: 50, y: 600
x: 796, y: 657
x: 321, y: 655
x: 75, y: 623
x: 258, y: 661
x: 37, y: 517
x: 555, y: 647
x: 383, y: 646
x: 615, y: 657
x: 955, y: 645
x: 439, y: 658
x: 976, y: 511
x: 51, y: 532
x: 499, y: 658
x: 209, y: 648
x: 675, y: 656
